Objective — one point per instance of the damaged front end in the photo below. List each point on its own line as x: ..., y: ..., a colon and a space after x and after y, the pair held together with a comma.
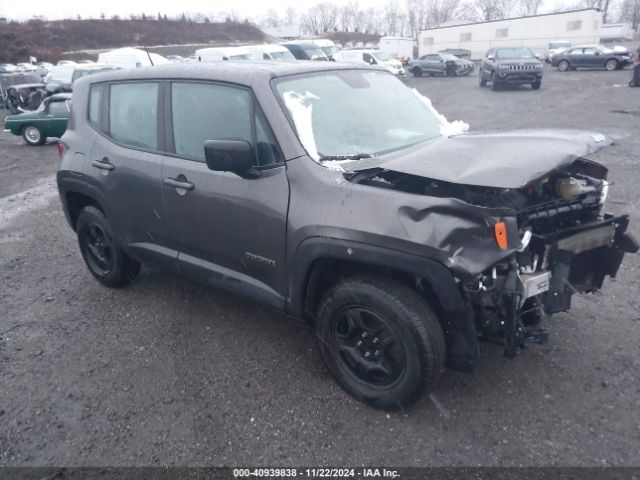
x: 540, y: 243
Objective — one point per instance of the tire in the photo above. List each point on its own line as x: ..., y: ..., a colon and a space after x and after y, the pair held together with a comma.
x: 481, y: 81
x: 536, y: 85
x: 417, y: 71
x: 563, y: 65
x: 362, y: 312
x: 33, y: 136
x: 611, y: 64
x: 495, y: 84
x: 103, y: 256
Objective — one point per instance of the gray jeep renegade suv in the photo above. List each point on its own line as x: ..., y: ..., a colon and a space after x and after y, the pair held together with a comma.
x: 306, y: 187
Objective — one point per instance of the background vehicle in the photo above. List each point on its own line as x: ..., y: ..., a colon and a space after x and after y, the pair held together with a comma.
x: 611, y: 32
x: 591, y: 56
x: 60, y: 78
x: 175, y: 58
x: 327, y: 46
x: 400, y: 48
x: 20, y: 97
x: 457, y: 52
x: 270, y: 52
x: 510, y: 66
x: 553, y: 48
x: 26, y: 67
x: 219, y: 54
x: 305, y: 50
x: 65, y: 62
x: 86, y: 62
x: 7, y: 68
x: 440, y: 64
x: 130, y: 58
x: 371, y: 57
x: 49, y: 120
x: 430, y: 256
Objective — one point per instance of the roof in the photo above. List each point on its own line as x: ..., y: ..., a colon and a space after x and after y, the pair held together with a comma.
x: 246, y: 72
x: 510, y: 19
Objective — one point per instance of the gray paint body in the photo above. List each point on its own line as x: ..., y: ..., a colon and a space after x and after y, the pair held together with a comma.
x: 258, y: 236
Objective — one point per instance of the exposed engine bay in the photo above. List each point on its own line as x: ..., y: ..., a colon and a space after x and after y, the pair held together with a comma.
x: 566, y: 246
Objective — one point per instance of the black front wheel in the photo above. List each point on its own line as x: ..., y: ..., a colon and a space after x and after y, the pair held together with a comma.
x: 103, y: 256
x: 536, y: 85
x: 417, y: 71
x: 482, y: 82
x: 380, y: 340
x: 495, y: 84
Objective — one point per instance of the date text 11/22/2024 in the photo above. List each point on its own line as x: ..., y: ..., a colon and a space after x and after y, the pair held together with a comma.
x: 315, y: 472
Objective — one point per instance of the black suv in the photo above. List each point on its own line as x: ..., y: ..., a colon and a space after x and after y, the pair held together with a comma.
x: 511, y: 66
x: 282, y: 182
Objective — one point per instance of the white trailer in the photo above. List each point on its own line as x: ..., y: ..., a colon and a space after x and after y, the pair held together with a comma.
x: 397, y: 47
x: 219, y: 54
x: 535, y: 32
x: 612, y: 32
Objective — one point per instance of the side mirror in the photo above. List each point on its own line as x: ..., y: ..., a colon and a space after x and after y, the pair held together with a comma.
x: 372, y: 61
x: 229, y: 156
x: 538, y: 56
x: 597, y: 52
x: 490, y: 57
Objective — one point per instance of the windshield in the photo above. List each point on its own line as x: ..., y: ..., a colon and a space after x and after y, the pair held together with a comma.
x: 351, y: 112
x: 242, y: 56
x: 282, y: 55
x: 382, y: 56
x: 315, y: 53
x: 514, y: 53
x: 329, y: 51
x: 560, y: 45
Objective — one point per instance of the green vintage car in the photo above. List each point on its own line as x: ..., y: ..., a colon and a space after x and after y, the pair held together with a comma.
x: 49, y: 120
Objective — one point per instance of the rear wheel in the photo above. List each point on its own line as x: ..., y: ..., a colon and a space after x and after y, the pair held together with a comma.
x: 563, y: 65
x: 33, y: 136
x: 611, y: 64
x: 104, y: 258
x: 380, y: 340
x: 417, y: 71
x: 482, y: 82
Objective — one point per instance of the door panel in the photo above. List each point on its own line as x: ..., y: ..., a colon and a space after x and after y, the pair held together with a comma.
x: 225, y: 226
x: 130, y: 178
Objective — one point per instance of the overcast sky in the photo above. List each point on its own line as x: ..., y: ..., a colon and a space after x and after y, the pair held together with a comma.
x: 251, y: 8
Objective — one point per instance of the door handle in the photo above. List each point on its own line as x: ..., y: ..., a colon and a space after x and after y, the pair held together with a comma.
x: 183, y: 184
x: 103, y: 164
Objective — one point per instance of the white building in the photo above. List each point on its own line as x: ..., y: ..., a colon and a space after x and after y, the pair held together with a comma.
x: 577, y: 27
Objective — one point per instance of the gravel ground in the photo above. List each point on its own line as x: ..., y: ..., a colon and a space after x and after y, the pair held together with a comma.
x: 172, y: 372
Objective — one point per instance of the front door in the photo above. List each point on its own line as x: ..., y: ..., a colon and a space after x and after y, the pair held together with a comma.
x: 230, y: 230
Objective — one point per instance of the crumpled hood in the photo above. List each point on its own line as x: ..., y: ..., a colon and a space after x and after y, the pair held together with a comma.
x: 509, y: 159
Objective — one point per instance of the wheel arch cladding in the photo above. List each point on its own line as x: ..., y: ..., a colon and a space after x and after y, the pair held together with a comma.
x: 317, y: 257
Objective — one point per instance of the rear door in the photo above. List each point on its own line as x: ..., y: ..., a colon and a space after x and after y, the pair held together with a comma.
x: 126, y: 163
x: 230, y: 231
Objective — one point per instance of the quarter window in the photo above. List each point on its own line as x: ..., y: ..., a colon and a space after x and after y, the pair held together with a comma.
x: 58, y: 107
x: 95, y: 103
x: 133, y: 114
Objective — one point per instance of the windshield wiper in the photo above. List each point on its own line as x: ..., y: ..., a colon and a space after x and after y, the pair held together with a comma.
x: 356, y: 156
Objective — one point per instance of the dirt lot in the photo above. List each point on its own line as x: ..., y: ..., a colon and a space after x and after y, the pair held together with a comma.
x: 172, y: 372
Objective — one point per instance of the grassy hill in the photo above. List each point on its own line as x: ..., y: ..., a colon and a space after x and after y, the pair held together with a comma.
x: 47, y: 40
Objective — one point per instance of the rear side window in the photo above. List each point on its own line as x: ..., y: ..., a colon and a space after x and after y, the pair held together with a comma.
x: 204, y: 112
x: 58, y: 107
x: 133, y: 114
x: 95, y: 104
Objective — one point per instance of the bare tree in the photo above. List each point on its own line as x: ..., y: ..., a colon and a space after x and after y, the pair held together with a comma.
x: 271, y: 19
x: 493, y: 9
x: 290, y: 16
x: 390, y: 17
x: 630, y: 12
x: 441, y: 11
x: 530, y: 7
x: 320, y: 18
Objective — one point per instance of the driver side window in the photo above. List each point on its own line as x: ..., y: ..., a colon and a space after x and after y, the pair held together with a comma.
x: 202, y: 112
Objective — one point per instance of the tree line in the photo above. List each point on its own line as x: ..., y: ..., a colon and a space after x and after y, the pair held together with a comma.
x: 409, y: 17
